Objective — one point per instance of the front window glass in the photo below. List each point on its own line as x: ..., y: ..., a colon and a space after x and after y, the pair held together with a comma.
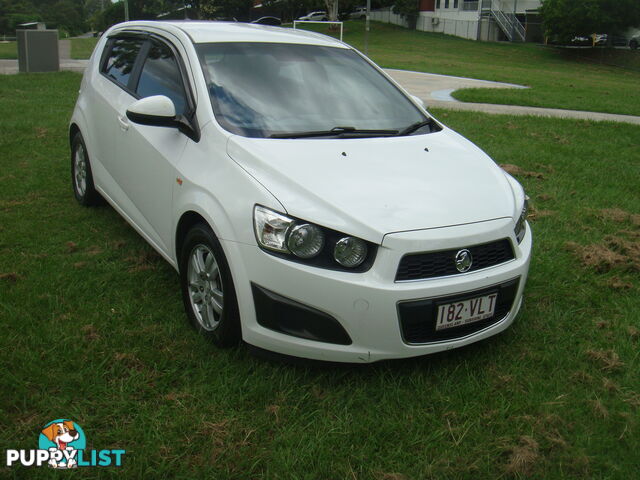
x: 262, y: 89
x: 161, y: 76
x: 122, y: 57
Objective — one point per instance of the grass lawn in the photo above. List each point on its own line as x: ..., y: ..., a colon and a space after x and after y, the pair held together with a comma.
x: 8, y: 50
x: 555, y: 80
x: 93, y: 330
x: 82, y: 48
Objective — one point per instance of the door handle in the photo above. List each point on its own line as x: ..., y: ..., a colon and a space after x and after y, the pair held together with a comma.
x: 124, y: 124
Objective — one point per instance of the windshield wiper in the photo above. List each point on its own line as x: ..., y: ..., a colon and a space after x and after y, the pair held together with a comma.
x: 336, y: 131
x: 416, y: 126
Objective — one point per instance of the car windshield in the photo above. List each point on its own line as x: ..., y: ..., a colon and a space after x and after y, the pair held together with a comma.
x: 273, y: 89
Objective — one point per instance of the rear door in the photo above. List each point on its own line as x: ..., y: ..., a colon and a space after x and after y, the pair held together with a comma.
x: 110, y: 91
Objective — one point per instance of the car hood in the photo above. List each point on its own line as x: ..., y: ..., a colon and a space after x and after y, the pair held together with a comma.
x: 370, y: 187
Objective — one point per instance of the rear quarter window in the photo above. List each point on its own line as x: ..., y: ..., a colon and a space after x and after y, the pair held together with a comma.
x: 121, y: 57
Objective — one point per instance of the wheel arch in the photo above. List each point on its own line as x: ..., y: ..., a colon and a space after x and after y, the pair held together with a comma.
x: 74, y: 129
x: 187, y: 220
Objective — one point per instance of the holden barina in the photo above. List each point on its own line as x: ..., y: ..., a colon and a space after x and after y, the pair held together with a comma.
x: 310, y: 206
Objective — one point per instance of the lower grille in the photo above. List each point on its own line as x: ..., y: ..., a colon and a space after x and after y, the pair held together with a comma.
x: 418, y: 318
x: 418, y: 266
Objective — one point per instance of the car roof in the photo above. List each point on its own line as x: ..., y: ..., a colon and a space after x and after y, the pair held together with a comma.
x: 213, y: 31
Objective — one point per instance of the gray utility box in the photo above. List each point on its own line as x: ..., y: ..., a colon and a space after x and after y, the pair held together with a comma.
x: 38, y: 50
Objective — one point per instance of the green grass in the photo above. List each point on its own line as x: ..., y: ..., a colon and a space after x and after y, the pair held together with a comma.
x: 8, y: 50
x: 556, y: 81
x: 82, y: 48
x: 93, y: 329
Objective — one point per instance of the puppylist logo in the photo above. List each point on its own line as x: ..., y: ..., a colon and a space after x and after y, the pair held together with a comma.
x: 62, y: 444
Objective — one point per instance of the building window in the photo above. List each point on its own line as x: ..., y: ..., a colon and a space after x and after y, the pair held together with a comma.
x: 437, y: 3
x: 455, y: 3
x: 446, y: 3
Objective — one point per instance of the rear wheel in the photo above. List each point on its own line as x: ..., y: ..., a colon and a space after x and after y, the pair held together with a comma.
x: 633, y: 44
x: 208, y: 292
x: 81, y: 175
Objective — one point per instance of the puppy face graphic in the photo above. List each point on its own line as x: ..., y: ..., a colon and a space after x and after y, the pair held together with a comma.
x: 61, y: 433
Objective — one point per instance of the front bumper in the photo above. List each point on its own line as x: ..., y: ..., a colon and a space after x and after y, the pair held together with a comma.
x: 367, y: 304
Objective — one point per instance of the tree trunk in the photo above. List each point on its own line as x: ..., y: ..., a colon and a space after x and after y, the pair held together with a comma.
x: 332, y: 9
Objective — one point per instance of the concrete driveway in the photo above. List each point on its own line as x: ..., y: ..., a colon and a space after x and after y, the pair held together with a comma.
x: 435, y: 90
x: 432, y: 87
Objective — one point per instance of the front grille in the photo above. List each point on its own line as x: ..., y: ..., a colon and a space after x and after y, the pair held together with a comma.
x: 418, y: 266
x: 418, y: 318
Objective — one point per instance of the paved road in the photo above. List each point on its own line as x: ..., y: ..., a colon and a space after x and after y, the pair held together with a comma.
x: 434, y: 90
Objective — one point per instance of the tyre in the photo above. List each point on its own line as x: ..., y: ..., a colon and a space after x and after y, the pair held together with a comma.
x: 81, y: 176
x: 208, y: 292
x: 633, y: 44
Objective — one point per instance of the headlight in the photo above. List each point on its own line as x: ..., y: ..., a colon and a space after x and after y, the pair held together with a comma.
x: 271, y: 229
x: 304, y: 242
x: 350, y: 251
x: 521, y: 224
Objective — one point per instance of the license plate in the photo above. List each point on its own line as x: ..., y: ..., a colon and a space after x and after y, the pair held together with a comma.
x: 466, y: 311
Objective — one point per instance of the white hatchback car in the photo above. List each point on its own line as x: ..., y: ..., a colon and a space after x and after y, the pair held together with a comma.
x: 319, y: 16
x: 310, y: 205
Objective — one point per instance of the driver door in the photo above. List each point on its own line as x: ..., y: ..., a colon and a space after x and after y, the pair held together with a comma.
x: 146, y: 166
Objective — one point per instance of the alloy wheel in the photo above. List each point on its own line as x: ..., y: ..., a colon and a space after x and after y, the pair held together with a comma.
x: 205, y: 287
x: 80, y: 170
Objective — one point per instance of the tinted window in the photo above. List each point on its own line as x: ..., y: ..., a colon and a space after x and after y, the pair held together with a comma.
x: 121, y: 58
x: 161, y: 76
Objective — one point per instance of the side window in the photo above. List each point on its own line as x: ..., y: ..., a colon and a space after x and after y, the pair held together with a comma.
x: 161, y: 76
x: 121, y: 59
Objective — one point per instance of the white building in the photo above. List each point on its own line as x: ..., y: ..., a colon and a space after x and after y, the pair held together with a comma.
x: 489, y: 20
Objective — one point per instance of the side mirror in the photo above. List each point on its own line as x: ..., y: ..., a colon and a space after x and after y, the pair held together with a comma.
x: 419, y: 101
x: 159, y: 111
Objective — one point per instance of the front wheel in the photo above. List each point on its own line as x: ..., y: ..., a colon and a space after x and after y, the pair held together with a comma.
x: 208, y: 292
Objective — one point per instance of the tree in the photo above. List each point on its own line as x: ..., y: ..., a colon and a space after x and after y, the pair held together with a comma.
x: 226, y: 9
x: 332, y: 9
x: 13, y: 13
x: 138, y: 10
x: 568, y: 18
x: 67, y: 16
x: 408, y: 9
